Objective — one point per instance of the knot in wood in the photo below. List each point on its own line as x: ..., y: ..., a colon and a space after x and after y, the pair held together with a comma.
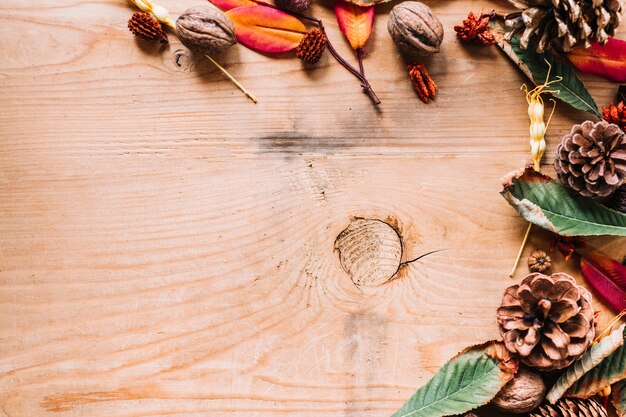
x: 370, y: 251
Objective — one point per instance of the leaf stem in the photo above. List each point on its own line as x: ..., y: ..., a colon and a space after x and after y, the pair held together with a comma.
x: 358, y: 74
x: 234, y: 81
x: 359, y: 55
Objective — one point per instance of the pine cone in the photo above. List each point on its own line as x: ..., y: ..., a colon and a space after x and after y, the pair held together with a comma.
x: 547, y: 320
x: 615, y: 114
x: 475, y: 29
x: 146, y: 26
x: 591, y: 159
x: 311, y: 46
x: 566, y: 23
x: 570, y: 407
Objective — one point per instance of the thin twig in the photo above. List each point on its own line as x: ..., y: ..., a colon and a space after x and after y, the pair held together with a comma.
x: 231, y: 78
x: 521, y: 250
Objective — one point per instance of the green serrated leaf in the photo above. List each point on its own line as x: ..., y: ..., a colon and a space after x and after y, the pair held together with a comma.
x: 619, y: 397
x: 466, y: 382
x: 571, y: 89
x: 612, y: 369
x: 586, y: 363
x: 547, y: 203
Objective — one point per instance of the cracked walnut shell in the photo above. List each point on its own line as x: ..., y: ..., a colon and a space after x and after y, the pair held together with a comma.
x: 205, y: 29
x: 415, y: 29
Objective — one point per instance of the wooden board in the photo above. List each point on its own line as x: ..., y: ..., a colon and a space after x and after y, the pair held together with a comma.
x: 167, y: 247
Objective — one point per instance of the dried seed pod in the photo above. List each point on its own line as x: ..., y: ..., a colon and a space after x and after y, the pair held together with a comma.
x: 147, y: 27
x: 539, y: 261
x: 312, y: 46
x: 415, y: 29
x: 522, y: 394
x: 423, y: 84
x: 206, y: 30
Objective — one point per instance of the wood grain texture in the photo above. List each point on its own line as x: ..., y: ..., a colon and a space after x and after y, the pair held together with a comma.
x: 167, y: 247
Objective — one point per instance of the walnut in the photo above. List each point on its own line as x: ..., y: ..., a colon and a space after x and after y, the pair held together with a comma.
x: 522, y: 394
x: 205, y: 29
x: 415, y: 29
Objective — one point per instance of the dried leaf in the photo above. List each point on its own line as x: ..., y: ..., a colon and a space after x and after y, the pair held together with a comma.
x: 586, y: 363
x: 569, y: 89
x: 466, y: 382
x: 607, y: 277
x: 265, y: 29
x: 355, y: 22
x: 619, y: 397
x: 608, y: 61
x: 231, y: 4
x: 547, y: 203
x: 612, y: 369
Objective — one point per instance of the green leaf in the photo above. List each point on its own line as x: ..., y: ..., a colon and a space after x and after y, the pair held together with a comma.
x: 619, y: 397
x: 612, y: 369
x: 586, y: 363
x: 466, y: 382
x: 571, y: 88
x: 547, y: 203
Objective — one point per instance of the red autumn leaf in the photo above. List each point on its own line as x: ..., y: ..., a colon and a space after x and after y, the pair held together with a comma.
x: 265, y: 29
x: 355, y: 22
x: 607, y: 277
x: 231, y: 4
x: 607, y: 61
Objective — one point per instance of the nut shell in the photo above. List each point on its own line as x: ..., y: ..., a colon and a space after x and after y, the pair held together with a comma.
x: 206, y: 30
x: 522, y: 394
x: 415, y: 29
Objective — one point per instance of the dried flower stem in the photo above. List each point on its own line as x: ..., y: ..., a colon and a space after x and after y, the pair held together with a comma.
x: 521, y: 250
x: 358, y: 74
x: 234, y: 81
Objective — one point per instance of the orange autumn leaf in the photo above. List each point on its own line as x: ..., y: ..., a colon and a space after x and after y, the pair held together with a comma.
x: 608, y: 61
x: 265, y: 29
x: 231, y: 4
x: 355, y: 22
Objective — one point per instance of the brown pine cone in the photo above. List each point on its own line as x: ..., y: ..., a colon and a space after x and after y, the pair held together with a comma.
x: 311, y: 46
x: 564, y: 23
x: 547, y: 320
x: 146, y: 26
x: 571, y: 407
x: 475, y: 29
x: 615, y: 114
x: 591, y: 159
x: 424, y: 85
